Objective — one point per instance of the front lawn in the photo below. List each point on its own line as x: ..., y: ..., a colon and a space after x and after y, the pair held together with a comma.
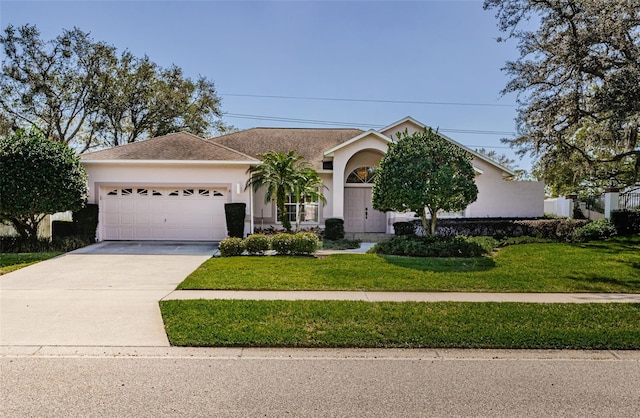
x: 603, y: 266
x: 14, y: 261
x: 269, y: 323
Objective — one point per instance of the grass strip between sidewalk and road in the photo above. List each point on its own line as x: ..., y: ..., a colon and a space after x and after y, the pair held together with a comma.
x: 603, y: 266
x: 268, y: 323
x: 13, y: 261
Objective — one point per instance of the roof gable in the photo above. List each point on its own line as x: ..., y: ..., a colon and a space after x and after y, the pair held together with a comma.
x: 370, y: 132
x: 420, y: 125
x: 179, y: 146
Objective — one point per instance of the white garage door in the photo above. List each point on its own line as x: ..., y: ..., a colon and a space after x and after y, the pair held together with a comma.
x: 157, y: 213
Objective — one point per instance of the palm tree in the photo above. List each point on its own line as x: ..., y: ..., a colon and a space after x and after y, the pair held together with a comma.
x: 308, y: 186
x: 279, y: 173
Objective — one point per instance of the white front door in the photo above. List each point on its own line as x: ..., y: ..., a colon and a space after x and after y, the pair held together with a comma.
x: 359, y: 214
x: 162, y: 213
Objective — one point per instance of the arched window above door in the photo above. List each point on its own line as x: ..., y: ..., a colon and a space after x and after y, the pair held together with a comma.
x: 362, y: 175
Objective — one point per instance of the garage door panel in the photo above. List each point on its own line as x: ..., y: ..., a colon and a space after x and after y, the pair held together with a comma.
x: 135, y: 213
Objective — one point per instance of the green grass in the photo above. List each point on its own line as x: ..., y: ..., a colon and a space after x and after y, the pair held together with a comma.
x: 411, y: 325
x: 604, y: 266
x: 13, y: 261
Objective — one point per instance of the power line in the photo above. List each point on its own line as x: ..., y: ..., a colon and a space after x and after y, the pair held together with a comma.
x: 341, y: 99
x: 353, y: 124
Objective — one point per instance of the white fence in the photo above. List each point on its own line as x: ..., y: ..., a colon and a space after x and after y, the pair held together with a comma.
x: 44, y: 229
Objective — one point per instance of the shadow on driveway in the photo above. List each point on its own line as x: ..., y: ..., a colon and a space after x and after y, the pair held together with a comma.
x: 151, y: 248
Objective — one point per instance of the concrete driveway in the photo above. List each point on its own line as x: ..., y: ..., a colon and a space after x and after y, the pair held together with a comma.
x: 100, y: 295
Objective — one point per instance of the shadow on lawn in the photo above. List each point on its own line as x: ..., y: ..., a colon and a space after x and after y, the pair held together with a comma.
x: 615, y: 245
x: 593, y: 282
x: 441, y: 265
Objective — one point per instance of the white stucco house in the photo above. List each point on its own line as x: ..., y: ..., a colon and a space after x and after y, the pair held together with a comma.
x: 174, y: 187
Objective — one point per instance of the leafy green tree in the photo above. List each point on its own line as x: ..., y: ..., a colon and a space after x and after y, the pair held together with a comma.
x: 578, y: 90
x: 51, y: 84
x: 424, y: 170
x: 83, y: 94
x: 279, y: 174
x: 307, y: 189
x: 39, y: 177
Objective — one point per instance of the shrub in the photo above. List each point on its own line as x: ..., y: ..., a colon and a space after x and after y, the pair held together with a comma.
x: 597, y: 230
x: 404, y: 228
x: 85, y: 222
x: 16, y: 244
x: 626, y: 222
x: 256, y: 244
x: 334, y: 229
x: 62, y: 229
x: 557, y: 229
x: 304, y: 243
x: 230, y: 247
x: 282, y: 243
x: 234, y: 215
x: 429, y: 246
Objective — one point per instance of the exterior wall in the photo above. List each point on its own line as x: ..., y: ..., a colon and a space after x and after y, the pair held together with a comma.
x: 500, y: 198
x: 409, y: 126
x: 231, y: 177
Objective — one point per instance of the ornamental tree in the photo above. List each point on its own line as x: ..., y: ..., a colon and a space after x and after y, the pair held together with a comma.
x: 424, y: 172
x: 39, y: 177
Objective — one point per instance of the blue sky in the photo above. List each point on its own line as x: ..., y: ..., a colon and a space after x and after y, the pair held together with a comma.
x: 442, y: 54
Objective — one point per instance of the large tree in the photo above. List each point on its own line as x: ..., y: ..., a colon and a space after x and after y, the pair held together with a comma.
x: 39, y: 177
x: 424, y: 172
x: 578, y: 85
x: 83, y: 94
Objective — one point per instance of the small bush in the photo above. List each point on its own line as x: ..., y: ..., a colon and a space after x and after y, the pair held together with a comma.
x: 429, y: 246
x: 596, y: 230
x: 304, y: 243
x: 404, y: 228
x: 256, y: 244
x: 560, y: 229
x: 334, y: 229
x: 62, y: 229
x: 230, y: 247
x: 17, y: 245
x: 282, y: 243
x: 627, y: 222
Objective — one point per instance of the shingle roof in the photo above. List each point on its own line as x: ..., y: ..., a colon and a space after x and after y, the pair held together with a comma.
x: 308, y: 142
x: 177, y: 146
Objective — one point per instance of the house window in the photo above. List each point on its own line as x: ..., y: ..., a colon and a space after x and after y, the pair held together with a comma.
x: 126, y: 192
x: 307, y: 209
x: 362, y: 175
x: 113, y: 192
x: 204, y: 192
x: 143, y: 192
x: 187, y: 192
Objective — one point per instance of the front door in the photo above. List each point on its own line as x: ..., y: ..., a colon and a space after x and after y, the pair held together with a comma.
x: 359, y: 214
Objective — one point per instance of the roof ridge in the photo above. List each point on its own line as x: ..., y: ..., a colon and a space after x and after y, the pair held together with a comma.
x: 215, y: 144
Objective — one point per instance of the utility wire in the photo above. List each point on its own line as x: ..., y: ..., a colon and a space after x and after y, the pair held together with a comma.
x: 340, y: 99
x: 350, y: 124
x: 368, y: 125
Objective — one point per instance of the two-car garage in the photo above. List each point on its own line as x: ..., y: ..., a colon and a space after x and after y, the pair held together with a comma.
x: 163, y: 213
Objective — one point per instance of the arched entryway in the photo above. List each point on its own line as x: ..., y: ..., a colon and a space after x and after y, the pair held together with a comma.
x: 359, y: 214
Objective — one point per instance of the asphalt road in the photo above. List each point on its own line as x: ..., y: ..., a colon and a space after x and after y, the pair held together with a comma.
x: 275, y: 383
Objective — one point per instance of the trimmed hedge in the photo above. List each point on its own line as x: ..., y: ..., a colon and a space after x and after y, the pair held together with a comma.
x: 302, y: 243
x: 626, y: 222
x: 433, y: 246
x: 404, y: 228
x: 234, y: 214
x: 333, y: 229
x: 62, y: 229
x: 560, y: 229
x: 85, y: 222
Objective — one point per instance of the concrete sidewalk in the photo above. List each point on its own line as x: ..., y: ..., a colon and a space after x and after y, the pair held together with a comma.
x: 406, y: 296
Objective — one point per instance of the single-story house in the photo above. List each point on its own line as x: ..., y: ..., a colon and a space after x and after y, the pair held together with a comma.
x: 174, y: 187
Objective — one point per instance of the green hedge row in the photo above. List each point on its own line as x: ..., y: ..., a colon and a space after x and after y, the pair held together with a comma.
x: 302, y: 243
